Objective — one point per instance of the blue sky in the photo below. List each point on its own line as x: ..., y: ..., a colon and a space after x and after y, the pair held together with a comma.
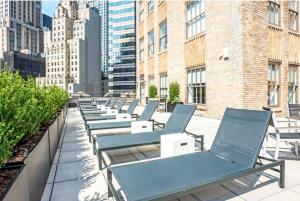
x: 49, y: 6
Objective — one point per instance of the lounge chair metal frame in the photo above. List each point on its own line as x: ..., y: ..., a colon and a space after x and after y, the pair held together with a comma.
x: 262, y: 167
x: 98, y: 151
x: 240, y: 162
x: 144, y: 115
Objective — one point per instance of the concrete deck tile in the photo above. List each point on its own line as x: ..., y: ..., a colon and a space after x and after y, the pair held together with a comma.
x: 287, y: 195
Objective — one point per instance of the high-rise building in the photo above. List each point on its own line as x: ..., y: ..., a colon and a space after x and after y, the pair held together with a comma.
x: 121, y: 46
x: 102, y: 6
x: 20, y: 26
x: 73, y: 49
x: 242, y: 54
x: 47, y: 21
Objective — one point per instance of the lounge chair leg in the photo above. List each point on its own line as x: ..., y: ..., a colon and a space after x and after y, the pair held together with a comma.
x: 94, y: 146
x: 109, y: 178
x: 282, y: 175
x: 89, y: 133
x: 296, y: 149
x: 276, y: 155
x: 99, y: 155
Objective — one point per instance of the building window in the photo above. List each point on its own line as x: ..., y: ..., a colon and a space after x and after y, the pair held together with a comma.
x: 273, y: 85
x: 150, y: 6
x: 163, y: 85
x: 141, y: 13
x: 150, y: 43
x: 196, y: 80
x: 163, y: 37
x: 195, y: 18
x: 274, y: 12
x: 142, y: 50
x: 293, y: 85
x: 294, y: 15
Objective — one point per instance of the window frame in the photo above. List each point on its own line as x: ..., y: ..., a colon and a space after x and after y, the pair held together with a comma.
x: 277, y: 4
x: 150, y: 6
x: 163, y: 37
x: 151, y: 43
x: 274, y: 84
x: 163, y: 88
x: 293, y: 83
x: 294, y: 11
x: 196, y: 85
x: 141, y: 49
x: 196, y: 24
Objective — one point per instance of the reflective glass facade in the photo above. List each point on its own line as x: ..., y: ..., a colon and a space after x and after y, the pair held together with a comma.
x: 121, y: 46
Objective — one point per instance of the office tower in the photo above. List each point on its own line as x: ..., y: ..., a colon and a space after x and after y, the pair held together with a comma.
x: 72, y: 55
x: 121, y: 47
x: 20, y: 26
x: 20, y: 37
x: 221, y: 55
x: 47, y: 21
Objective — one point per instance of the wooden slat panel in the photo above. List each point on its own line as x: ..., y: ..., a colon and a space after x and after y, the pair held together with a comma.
x: 162, y: 11
x: 150, y: 66
x: 163, y: 62
x: 294, y: 48
x: 195, y: 52
x: 275, y: 43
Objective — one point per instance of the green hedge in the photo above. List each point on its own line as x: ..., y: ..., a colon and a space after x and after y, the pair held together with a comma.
x: 24, y: 108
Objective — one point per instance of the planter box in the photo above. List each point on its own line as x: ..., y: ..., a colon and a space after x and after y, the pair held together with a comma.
x: 53, y: 139
x: 171, y: 106
x: 18, y: 189
x: 37, y: 168
x: 31, y: 178
x: 60, y: 123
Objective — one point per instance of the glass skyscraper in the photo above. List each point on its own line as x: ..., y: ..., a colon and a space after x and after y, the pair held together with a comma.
x: 121, y: 46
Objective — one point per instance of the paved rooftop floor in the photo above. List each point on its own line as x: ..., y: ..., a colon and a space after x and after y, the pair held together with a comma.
x: 75, y: 176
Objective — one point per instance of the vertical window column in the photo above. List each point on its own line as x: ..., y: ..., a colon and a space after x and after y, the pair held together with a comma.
x: 196, y: 92
x: 273, y: 85
x: 293, y: 85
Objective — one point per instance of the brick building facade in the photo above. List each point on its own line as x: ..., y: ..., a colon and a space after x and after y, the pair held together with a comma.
x: 242, y: 54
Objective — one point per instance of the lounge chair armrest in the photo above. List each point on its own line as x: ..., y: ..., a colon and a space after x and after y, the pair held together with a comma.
x: 112, y: 111
x: 141, y: 126
x: 123, y: 117
x: 158, y: 124
x: 100, y: 106
x: 135, y: 116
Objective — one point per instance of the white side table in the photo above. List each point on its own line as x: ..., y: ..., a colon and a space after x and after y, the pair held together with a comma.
x: 176, y: 144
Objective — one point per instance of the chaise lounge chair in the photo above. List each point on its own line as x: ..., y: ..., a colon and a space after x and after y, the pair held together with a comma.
x: 108, y: 111
x: 177, y: 123
x: 99, y: 117
x: 145, y: 117
x: 234, y: 154
x: 287, y: 134
x: 101, y: 110
x: 91, y: 106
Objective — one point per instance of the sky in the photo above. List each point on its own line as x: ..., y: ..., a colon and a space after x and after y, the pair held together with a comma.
x: 49, y: 6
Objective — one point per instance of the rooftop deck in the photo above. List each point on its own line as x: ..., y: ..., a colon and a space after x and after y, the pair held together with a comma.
x: 75, y: 176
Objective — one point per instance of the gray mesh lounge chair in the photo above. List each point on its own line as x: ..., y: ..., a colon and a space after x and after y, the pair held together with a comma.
x: 111, y: 104
x: 177, y: 123
x: 98, y: 117
x: 288, y: 134
x: 234, y: 154
x: 90, y: 106
x: 146, y: 116
x: 118, y: 106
